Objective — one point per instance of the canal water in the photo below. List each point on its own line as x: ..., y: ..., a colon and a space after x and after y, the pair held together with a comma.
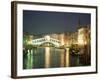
x: 48, y: 58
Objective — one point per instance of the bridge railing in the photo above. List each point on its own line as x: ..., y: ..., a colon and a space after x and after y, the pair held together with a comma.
x: 43, y: 40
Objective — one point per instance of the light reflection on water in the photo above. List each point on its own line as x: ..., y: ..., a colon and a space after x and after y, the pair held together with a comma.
x: 46, y: 58
x: 67, y: 57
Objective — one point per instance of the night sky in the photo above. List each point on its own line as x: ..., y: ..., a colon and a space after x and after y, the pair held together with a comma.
x: 42, y: 22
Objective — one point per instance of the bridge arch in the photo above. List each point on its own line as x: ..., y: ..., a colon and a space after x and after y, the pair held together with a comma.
x: 48, y: 44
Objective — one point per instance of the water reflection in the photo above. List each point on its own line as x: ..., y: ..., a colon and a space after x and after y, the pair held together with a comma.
x: 30, y: 59
x: 67, y: 57
x: 48, y: 57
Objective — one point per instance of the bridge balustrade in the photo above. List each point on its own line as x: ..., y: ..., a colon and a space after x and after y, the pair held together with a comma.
x: 40, y: 41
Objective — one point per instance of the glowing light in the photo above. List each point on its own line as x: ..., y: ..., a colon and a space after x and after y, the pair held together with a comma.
x: 47, y: 38
x: 80, y: 40
x: 62, y: 39
x: 29, y: 42
x: 62, y: 58
x: 81, y: 37
x: 67, y: 57
x: 85, y: 42
x: 47, y: 57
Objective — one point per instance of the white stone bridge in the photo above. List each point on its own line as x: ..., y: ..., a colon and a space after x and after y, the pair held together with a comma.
x: 46, y: 39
